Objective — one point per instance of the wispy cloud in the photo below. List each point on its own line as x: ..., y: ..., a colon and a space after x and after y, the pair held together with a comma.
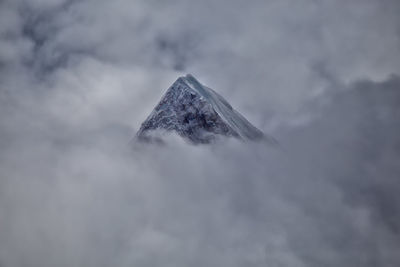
x: 78, y: 77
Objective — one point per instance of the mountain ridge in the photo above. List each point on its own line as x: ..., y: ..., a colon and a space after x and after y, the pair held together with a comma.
x: 197, y: 113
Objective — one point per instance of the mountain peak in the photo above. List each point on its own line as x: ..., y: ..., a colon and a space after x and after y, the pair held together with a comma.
x: 197, y: 113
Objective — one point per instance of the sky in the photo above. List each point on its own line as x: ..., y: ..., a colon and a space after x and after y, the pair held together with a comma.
x: 77, y: 78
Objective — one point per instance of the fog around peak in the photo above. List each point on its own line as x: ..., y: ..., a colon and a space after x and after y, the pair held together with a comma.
x: 77, y: 78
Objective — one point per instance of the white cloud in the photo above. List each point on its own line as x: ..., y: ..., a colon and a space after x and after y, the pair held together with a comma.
x: 78, y: 77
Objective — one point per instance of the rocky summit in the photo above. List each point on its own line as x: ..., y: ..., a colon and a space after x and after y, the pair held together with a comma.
x: 197, y: 113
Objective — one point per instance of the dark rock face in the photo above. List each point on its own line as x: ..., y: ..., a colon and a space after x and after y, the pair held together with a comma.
x: 191, y: 112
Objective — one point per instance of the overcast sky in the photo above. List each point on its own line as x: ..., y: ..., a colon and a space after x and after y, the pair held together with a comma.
x: 77, y: 78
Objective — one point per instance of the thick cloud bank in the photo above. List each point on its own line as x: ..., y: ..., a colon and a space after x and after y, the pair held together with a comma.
x: 78, y: 77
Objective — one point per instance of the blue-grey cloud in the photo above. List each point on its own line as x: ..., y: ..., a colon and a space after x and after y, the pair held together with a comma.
x: 78, y: 77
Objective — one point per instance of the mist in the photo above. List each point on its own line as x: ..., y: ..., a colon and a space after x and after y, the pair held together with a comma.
x: 77, y: 78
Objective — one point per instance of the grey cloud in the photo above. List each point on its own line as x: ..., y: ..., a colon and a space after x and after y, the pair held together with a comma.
x: 78, y: 77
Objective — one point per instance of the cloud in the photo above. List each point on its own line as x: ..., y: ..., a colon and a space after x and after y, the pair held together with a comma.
x: 78, y: 77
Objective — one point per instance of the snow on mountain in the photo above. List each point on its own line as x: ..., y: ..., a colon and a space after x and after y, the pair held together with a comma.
x: 197, y: 113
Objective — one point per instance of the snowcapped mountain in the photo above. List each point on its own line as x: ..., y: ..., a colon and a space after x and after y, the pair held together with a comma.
x: 197, y: 113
